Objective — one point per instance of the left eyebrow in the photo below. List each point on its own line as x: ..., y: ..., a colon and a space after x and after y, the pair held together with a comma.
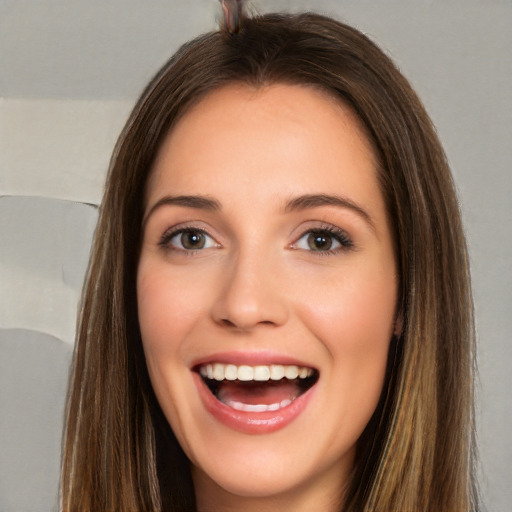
x: 317, y: 200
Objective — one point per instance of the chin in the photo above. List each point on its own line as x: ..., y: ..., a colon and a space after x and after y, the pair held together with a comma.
x: 274, y: 470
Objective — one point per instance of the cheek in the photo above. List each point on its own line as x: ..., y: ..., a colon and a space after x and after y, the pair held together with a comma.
x: 354, y: 318
x: 356, y: 308
x: 168, y: 307
x: 167, y: 311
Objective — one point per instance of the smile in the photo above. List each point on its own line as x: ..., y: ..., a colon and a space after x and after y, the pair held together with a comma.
x: 255, y: 399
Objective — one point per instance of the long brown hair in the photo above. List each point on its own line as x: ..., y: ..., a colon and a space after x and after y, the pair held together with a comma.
x: 417, y: 453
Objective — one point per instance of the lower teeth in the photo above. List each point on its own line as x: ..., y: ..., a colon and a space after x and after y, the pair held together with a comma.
x: 233, y: 393
x: 239, y: 406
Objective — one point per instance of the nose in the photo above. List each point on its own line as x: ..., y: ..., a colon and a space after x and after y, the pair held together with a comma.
x: 251, y: 294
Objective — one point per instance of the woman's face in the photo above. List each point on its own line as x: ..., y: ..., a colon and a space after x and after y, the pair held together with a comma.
x: 267, y: 289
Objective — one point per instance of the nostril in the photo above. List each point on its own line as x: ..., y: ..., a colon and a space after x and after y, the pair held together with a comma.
x: 228, y: 323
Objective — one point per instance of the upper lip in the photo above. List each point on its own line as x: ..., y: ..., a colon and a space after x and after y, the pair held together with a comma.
x: 250, y: 358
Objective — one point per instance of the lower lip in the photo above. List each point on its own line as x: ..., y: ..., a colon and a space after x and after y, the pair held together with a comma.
x: 252, y: 422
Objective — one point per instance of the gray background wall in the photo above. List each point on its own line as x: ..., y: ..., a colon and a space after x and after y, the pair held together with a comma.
x: 70, y: 71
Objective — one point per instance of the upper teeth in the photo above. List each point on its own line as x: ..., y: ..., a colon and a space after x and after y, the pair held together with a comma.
x: 219, y: 371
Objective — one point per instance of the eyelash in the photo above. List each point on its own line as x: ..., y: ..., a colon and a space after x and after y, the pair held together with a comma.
x: 339, y: 235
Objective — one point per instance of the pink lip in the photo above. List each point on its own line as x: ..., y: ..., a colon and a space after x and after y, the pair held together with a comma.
x: 251, y: 422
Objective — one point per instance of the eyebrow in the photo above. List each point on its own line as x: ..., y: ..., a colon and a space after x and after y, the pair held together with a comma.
x: 303, y: 202
x: 317, y: 200
x: 196, y: 202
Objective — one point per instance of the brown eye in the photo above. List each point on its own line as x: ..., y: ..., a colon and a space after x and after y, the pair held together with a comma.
x: 191, y: 240
x: 325, y: 240
x: 320, y: 241
x: 187, y: 240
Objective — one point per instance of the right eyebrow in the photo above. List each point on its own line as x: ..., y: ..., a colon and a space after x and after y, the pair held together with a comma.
x: 197, y: 202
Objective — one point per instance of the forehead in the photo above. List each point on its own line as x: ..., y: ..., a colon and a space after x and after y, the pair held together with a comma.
x: 277, y: 134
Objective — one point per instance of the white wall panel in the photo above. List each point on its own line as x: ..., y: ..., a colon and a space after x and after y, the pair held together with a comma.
x: 58, y: 148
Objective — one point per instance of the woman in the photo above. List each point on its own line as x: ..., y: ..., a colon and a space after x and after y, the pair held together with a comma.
x: 277, y: 313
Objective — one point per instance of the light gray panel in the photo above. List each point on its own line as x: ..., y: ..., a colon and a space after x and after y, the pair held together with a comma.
x: 92, y: 49
x: 33, y: 380
x: 58, y: 148
x: 43, y: 257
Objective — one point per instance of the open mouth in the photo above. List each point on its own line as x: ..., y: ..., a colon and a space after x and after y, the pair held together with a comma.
x: 259, y: 388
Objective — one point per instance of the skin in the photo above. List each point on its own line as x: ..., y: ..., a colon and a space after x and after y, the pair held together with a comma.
x: 258, y: 287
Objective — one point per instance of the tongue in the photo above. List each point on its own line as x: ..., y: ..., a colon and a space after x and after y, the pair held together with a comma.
x: 258, y: 393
